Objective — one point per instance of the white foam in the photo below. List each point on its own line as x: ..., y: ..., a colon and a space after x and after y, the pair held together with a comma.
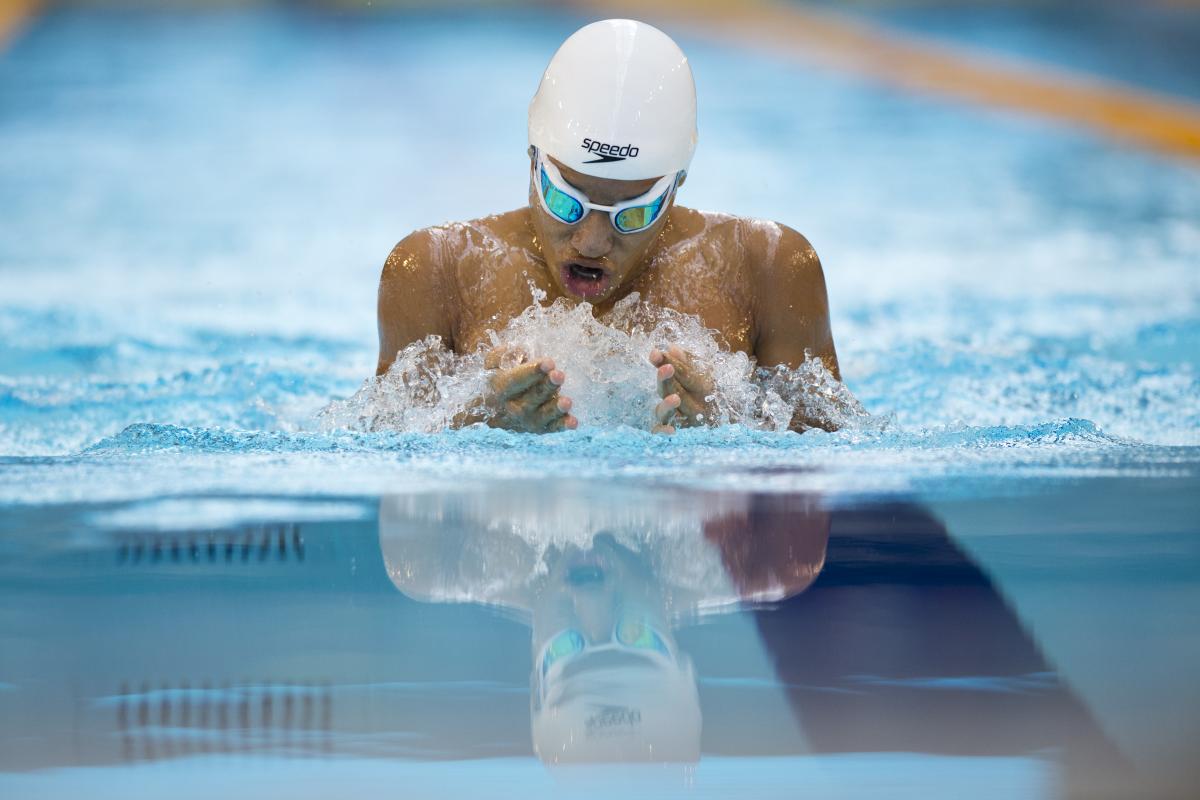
x: 608, y: 374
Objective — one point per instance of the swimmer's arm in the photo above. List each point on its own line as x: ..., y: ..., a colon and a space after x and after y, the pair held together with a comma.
x: 793, y: 306
x: 414, y: 300
x: 793, y: 310
x: 417, y: 299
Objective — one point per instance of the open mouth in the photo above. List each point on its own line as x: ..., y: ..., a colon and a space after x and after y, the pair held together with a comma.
x: 584, y: 279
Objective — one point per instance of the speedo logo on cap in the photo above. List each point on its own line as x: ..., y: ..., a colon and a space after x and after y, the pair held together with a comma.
x: 608, y: 152
x: 612, y: 721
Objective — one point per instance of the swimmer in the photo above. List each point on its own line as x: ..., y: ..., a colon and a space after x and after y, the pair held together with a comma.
x: 612, y: 131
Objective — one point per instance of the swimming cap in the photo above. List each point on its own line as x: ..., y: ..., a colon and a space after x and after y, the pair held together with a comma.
x: 615, y: 706
x: 617, y: 101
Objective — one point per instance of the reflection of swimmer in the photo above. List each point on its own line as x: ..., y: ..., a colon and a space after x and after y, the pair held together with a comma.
x: 612, y: 130
x: 609, y: 682
x: 881, y: 635
x: 603, y: 585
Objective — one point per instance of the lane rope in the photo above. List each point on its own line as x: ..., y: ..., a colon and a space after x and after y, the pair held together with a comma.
x: 13, y: 14
x: 1154, y: 121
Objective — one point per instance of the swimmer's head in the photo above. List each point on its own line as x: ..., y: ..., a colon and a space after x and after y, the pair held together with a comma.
x: 617, y: 705
x: 609, y: 682
x: 614, y: 118
x: 617, y: 101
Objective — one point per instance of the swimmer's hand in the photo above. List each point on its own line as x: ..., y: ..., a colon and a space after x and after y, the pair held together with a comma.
x: 683, y: 388
x: 525, y: 397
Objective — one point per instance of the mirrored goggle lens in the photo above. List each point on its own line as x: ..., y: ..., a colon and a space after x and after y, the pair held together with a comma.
x: 633, y: 219
x: 636, y: 634
x: 564, y: 644
x: 561, y: 204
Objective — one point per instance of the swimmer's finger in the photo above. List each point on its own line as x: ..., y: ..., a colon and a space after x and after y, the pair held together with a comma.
x: 511, y: 382
x: 508, y: 383
x: 663, y: 429
x: 691, y: 411
x: 690, y: 376
x: 666, y: 381
x: 542, y: 390
x: 567, y: 422
x: 689, y: 408
x: 664, y: 412
x: 551, y: 411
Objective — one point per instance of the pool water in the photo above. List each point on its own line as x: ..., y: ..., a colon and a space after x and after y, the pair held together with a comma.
x: 294, y: 648
x: 1004, y: 559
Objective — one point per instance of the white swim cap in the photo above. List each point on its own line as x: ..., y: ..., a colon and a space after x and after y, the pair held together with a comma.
x: 617, y: 101
x: 614, y: 706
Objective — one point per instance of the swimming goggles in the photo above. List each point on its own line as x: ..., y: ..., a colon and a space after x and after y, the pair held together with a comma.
x: 629, y: 633
x: 567, y: 204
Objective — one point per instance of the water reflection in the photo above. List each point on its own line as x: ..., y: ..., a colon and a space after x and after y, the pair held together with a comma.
x: 588, y: 625
x: 820, y: 630
x: 603, y: 579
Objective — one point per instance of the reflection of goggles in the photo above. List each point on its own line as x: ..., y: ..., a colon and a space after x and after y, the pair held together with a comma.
x: 566, y: 203
x: 628, y: 634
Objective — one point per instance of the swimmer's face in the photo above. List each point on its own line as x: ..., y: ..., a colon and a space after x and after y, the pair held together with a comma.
x: 590, y: 591
x: 591, y: 260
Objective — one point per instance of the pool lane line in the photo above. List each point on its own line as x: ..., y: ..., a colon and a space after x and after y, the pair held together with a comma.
x: 13, y: 13
x: 1163, y: 124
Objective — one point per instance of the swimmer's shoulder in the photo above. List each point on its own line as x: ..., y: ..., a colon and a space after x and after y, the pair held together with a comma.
x: 762, y: 244
x: 729, y: 229
x: 419, y: 256
x: 690, y: 228
x: 418, y: 294
x: 507, y: 230
x: 791, y: 306
x: 769, y: 251
x: 690, y: 223
x: 434, y: 250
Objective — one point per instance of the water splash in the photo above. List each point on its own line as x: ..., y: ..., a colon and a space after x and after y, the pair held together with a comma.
x: 608, y: 375
x: 425, y: 389
x: 495, y: 546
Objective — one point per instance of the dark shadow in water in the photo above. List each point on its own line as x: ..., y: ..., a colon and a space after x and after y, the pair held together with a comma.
x: 903, y: 644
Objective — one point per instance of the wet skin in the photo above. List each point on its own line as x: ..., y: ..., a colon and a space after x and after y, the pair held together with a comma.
x: 759, y: 284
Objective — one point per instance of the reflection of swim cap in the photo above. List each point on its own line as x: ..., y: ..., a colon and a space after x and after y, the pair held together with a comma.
x: 618, y: 706
x: 617, y: 101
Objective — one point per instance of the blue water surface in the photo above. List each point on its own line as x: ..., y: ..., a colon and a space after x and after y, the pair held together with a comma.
x: 197, y: 204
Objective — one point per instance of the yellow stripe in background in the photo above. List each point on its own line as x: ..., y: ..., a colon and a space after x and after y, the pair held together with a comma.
x: 12, y: 14
x: 1160, y: 123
